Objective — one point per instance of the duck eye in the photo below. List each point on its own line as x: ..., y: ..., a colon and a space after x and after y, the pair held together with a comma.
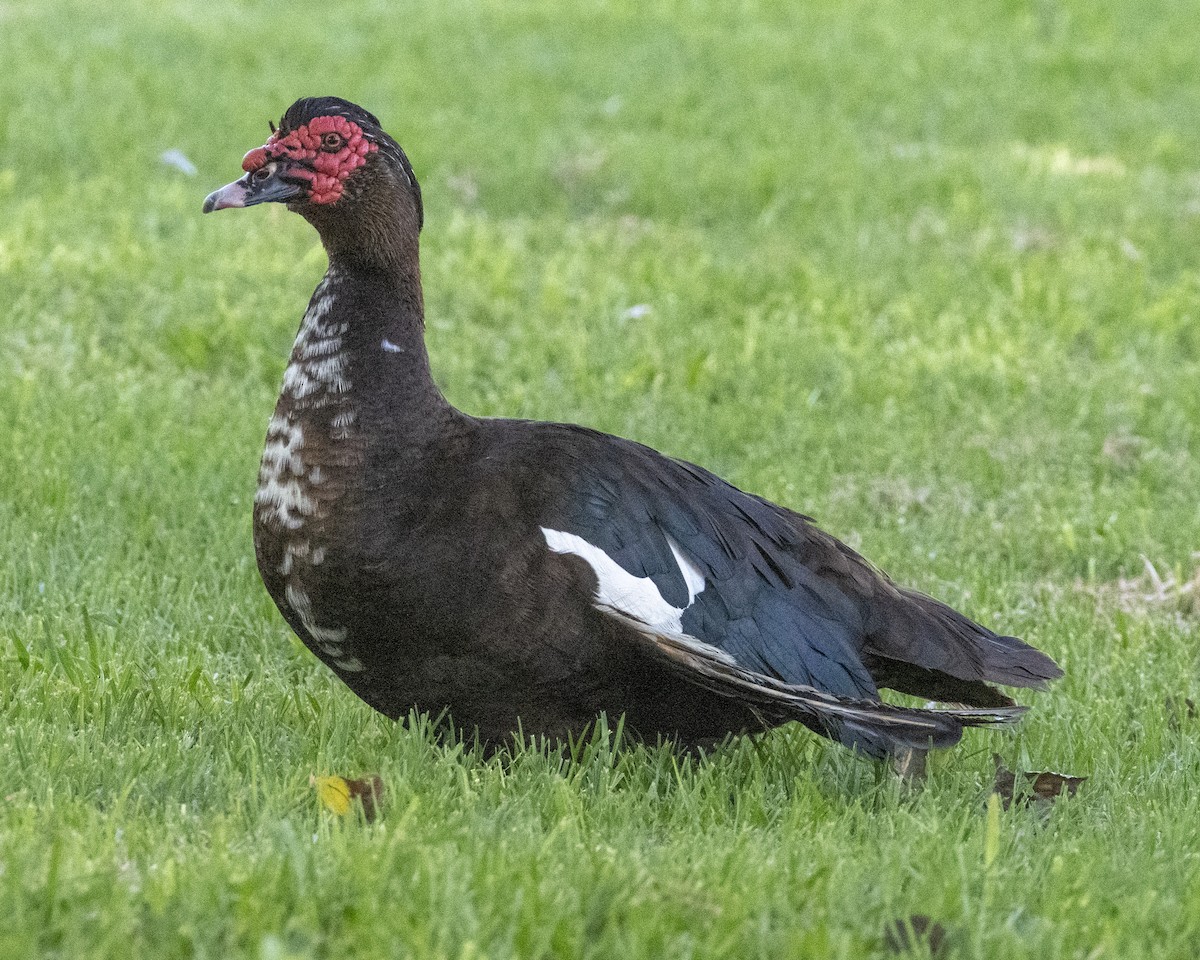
x: 332, y: 142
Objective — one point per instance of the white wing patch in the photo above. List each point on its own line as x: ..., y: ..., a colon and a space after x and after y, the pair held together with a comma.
x: 620, y: 590
x: 691, y: 573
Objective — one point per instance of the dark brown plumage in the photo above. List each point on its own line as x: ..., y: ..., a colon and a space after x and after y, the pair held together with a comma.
x: 534, y: 575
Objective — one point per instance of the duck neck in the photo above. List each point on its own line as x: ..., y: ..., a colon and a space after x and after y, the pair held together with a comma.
x: 379, y: 313
x: 357, y: 391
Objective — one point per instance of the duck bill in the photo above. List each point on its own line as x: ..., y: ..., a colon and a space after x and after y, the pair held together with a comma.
x: 246, y: 192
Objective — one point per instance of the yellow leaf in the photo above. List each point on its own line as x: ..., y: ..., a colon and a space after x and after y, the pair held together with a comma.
x: 338, y: 793
x: 333, y: 792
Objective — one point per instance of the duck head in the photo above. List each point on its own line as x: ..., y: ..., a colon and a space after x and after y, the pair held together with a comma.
x: 330, y: 161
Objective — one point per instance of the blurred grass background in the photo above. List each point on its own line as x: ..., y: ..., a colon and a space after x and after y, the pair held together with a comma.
x: 927, y: 272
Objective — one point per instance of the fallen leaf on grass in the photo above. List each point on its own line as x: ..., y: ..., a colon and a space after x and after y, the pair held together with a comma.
x: 1179, y: 711
x: 179, y: 160
x: 1171, y: 591
x: 338, y: 793
x: 903, y: 935
x: 909, y: 764
x: 1123, y: 450
x: 1029, y: 787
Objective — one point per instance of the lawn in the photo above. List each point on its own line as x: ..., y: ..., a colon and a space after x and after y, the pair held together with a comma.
x: 927, y: 271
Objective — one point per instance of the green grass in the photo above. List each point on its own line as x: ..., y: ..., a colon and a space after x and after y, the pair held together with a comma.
x: 928, y: 271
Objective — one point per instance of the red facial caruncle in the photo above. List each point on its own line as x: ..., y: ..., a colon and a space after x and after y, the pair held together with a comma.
x: 326, y: 150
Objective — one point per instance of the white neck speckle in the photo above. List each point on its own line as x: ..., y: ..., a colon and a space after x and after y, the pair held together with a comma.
x: 291, y: 479
x: 318, y: 371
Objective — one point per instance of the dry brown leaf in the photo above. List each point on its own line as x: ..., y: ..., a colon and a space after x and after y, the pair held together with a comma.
x: 1123, y: 450
x: 1170, y: 591
x: 1179, y: 711
x: 909, y: 764
x: 904, y: 934
x: 1029, y: 787
x: 338, y: 793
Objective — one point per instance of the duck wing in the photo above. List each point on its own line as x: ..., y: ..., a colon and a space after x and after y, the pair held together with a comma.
x: 753, y: 598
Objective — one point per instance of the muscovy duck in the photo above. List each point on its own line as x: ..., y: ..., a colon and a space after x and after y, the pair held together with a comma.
x: 531, y: 576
